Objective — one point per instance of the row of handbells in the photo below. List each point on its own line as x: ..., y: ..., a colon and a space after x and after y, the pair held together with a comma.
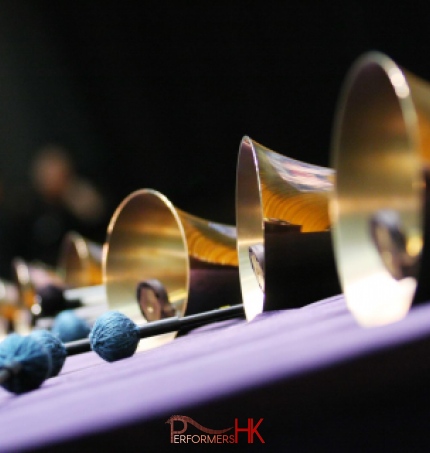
x: 303, y: 232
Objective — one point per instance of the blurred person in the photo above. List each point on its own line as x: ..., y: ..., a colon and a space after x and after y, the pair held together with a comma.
x: 54, y: 178
x: 61, y: 201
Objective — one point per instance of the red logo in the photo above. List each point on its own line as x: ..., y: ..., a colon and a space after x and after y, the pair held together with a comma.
x: 251, y: 429
x: 212, y: 436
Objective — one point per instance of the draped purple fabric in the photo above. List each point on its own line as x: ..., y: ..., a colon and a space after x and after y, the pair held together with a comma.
x: 318, y: 380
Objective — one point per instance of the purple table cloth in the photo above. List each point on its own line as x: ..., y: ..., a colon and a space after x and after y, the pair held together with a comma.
x: 317, y: 380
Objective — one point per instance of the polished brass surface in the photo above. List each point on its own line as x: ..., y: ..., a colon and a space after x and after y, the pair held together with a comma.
x: 148, y: 238
x: 381, y: 152
x: 21, y: 278
x: 208, y: 241
x: 80, y: 261
x: 275, y: 192
x: 10, y: 310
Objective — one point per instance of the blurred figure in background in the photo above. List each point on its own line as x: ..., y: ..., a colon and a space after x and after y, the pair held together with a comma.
x: 60, y: 201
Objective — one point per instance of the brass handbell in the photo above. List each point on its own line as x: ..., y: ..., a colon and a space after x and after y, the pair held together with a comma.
x: 150, y: 239
x: 79, y: 268
x: 80, y: 261
x: 10, y: 309
x: 283, y: 239
x: 380, y: 208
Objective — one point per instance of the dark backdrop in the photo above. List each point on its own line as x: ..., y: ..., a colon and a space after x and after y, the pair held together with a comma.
x: 159, y: 94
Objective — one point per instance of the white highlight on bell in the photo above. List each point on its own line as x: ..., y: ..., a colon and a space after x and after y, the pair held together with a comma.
x: 81, y: 248
x: 23, y: 272
x: 378, y: 299
x: 255, y: 302
x: 2, y: 290
x: 36, y: 309
x: 399, y: 82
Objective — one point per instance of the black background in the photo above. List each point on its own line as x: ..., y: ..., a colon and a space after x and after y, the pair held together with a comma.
x: 159, y: 94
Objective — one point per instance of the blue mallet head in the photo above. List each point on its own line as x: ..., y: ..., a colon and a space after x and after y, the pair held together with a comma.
x: 24, y: 363
x: 114, y: 336
x: 55, y: 348
x: 70, y: 327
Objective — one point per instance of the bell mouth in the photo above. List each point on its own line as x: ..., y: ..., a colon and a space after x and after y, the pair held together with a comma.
x: 79, y: 263
x: 377, y: 157
x: 275, y: 195
x: 145, y: 241
x: 73, y: 261
x: 250, y: 226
